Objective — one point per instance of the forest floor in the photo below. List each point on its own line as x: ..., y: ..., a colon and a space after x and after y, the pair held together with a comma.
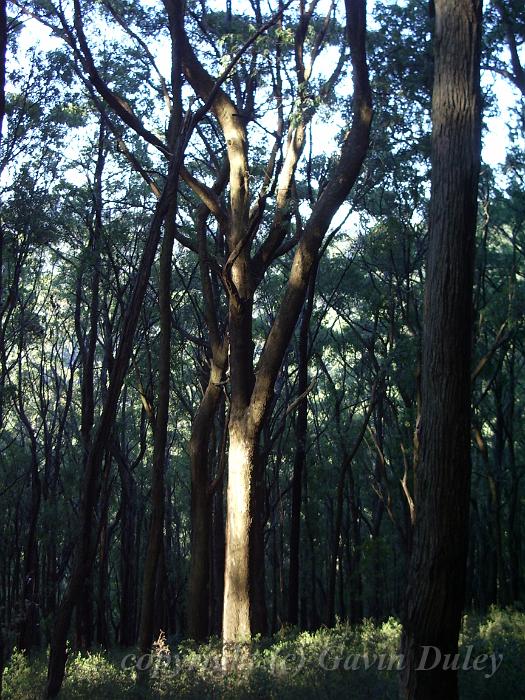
x: 344, y: 662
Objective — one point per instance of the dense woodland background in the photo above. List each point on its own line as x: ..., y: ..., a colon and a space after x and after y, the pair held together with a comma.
x: 332, y: 491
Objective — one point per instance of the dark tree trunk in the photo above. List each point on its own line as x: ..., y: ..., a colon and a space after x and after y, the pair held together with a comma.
x: 356, y: 581
x: 87, y: 344
x: 85, y: 549
x: 301, y: 433
x: 334, y: 554
x: 29, y: 636
x: 103, y: 602
x: 199, y: 608
x: 171, y: 564
x: 128, y: 574
x: 495, y: 575
x: 438, y: 563
x: 155, y: 545
x: 155, y: 539
x: 156, y: 529
x: 377, y: 606
x: 84, y: 617
x: 218, y: 545
x: 198, y: 587
x: 514, y: 521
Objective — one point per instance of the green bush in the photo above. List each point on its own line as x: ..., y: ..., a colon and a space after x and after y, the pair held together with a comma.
x: 291, y: 665
x: 23, y: 680
x: 501, y: 632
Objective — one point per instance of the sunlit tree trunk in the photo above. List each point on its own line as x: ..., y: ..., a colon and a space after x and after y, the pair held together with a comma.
x: 241, y: 464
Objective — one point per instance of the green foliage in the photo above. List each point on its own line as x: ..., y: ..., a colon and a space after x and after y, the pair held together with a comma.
x: 22, y: 680
x: 290, y: 665
x: 501, y: 632
x: 96, y: 676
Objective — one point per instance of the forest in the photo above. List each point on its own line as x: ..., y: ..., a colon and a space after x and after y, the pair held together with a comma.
x: 262, y: 349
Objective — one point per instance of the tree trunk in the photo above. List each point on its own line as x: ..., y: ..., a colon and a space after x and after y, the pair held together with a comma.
x: 198, y: 586
x: 29, y: 630
x: 128, y: 574
x: 438, y: 563
x: 103, y: 601
x: 356, y: 581
x: 87, y: 344
x: 301, y: 433
x: 160, y: 431
x: 84, y: 617
x: 258, y: 611
x: 241, y: 463
x: 218, y: 545
x: 379, y: 506
x: 334, y: 555
x: 514, y: 521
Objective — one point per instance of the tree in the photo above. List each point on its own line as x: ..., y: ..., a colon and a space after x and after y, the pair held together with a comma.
x: 442, y: 479
x: 252, y: 390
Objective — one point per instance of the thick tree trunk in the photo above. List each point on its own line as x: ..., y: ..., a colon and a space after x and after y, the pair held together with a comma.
x: 84, y: 617
x: 437, y: 568
x: 198, y: 586
x: 241, y: 463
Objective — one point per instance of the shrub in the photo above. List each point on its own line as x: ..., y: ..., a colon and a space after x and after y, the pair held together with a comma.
x: 291, y: 665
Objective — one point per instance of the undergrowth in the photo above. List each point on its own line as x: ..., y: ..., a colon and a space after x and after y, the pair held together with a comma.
x: 355, y: 662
